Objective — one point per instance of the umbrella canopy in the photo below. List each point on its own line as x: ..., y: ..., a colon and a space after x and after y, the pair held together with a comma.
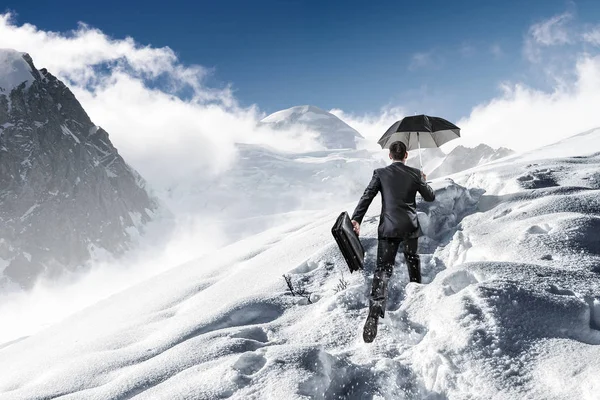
x: 420, y: 131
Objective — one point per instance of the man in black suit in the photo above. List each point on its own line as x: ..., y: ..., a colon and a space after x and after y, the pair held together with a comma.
x: 398, y: 223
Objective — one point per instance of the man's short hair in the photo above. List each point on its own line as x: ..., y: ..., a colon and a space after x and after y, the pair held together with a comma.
x: 398, y: 150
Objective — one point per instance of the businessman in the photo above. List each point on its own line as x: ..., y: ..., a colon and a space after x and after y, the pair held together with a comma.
x: 398, y: 224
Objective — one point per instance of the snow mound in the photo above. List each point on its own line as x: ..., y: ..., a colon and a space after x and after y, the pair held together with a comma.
x: 15, y: 70
x: 332, y: 132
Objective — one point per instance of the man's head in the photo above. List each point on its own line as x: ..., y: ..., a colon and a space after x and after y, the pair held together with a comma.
x: 398, y: 151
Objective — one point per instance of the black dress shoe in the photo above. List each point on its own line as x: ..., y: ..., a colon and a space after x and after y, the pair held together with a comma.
x: 370, y: 329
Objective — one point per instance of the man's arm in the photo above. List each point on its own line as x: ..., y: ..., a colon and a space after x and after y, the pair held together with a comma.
x: 424, y: 189
x: 365, y: 201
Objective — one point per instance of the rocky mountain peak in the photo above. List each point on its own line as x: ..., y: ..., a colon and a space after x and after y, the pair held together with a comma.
x: 65, y: 192
x: 16, y: 68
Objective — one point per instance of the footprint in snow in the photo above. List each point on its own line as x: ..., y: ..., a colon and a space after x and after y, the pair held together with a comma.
x: 257, y: 334
x: 560, y: 291
x: 502, y: 213
x: 538, y: 230
x: 305, y: 267
x: 538, y: 179
x: 458, y: 281
x: 249, y: 363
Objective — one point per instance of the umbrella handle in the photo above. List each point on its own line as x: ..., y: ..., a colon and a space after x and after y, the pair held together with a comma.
x: 420, y: 158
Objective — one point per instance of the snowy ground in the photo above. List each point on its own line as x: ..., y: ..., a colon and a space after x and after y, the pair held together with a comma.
x: 510, y: 307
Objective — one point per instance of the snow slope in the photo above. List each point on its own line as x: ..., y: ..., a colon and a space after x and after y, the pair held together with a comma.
x: 510, y: 307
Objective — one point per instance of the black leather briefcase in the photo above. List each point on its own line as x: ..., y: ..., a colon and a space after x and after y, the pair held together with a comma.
x: 348, y: 242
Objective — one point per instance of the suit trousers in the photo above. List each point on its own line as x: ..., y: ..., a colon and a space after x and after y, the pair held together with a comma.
x: 386, y: 257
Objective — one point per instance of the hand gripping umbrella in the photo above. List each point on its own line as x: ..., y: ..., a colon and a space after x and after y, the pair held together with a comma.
x: 420, y: 131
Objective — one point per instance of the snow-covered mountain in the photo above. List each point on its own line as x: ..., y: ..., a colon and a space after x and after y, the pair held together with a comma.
x: 432, y: 158
x: 65, y: 192
x: 332, y: 132
x: 509, y: 308
x: 437, y: 164
x: 462, y: 158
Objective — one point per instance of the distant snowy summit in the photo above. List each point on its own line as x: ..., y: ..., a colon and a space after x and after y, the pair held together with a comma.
x: 437, y: 164
x: 333, y: 133
x: 462, y: 158
x: 65, y: 192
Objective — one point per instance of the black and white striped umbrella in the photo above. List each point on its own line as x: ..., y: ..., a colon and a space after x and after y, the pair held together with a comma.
x: 420, y: 132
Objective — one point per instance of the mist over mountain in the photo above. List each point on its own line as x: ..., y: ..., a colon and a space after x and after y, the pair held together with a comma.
x: 264, y: 184
x: 66, y: 194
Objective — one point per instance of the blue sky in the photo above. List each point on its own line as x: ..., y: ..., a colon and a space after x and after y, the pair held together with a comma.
x: 432, y: 56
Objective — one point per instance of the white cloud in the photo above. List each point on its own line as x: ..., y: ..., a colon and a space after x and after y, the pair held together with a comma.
x: 523, y: 118
x: 421, y: 60
x: 372, y: 126
x: 559, y: 30
x: 170, y: 140
x: 496, y: 50
x: 550, y: 32
x: 466, y: 50
x: 74, y: 55
x: 162, y: 135
x: 592, y: 36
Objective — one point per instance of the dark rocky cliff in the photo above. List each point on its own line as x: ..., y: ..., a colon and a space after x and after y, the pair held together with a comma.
x: 65, y: 192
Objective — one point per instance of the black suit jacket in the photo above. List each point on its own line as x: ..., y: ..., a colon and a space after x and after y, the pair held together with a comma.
x: 398, y: 185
